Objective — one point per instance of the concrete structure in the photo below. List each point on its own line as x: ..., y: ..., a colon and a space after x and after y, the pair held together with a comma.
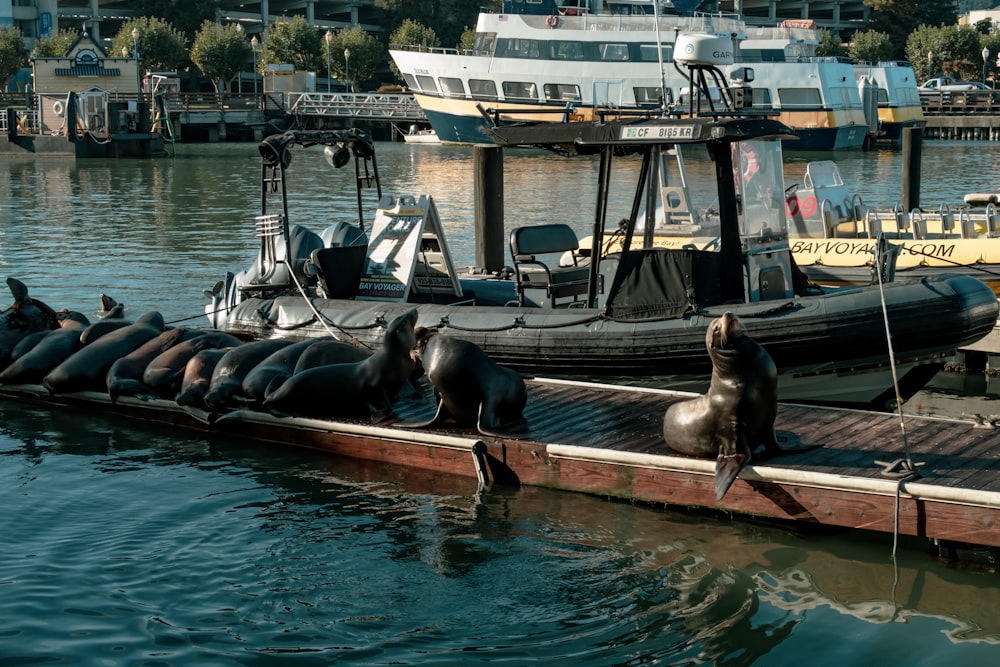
x: 835, y: 15
x: 102, y: 18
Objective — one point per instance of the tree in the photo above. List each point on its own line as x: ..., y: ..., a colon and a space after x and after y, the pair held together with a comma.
x: 449, y: 17
x: 185, y: 15
x: 870, y: 46
x: 220, y: 52
x: 294, y: 42
x: 951, y: 50
x: 12, y: 54
x: 830, y: 44
x: 410, y: 33
x: 55, y: 45
x: 161, y: 46
x: 468, y: 40
x: 366, y: 51
x: 899, y: 18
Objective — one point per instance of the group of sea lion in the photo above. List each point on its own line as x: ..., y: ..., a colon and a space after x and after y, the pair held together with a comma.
x: 326, y: 378
x: 219, y: 373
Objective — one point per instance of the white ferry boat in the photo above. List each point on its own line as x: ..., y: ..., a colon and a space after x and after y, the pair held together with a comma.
x: 897, y: 97
x: 578, y: 60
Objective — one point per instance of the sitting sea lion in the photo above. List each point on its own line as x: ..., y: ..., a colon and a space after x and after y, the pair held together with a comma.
x: 369, y: 386
x: 737, y: 414
x: 471, y: 387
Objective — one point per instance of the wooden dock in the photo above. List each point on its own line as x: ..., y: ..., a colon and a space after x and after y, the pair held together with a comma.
x: 606, y: 440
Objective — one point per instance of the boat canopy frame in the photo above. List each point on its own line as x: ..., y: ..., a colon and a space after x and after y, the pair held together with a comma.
x: 650, y: 138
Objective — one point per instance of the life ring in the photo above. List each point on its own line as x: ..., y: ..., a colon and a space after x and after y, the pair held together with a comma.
x: 58, y: 108
x: 552, y: 21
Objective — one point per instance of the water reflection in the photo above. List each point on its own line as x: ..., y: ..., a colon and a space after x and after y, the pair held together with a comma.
x: 220, y: 546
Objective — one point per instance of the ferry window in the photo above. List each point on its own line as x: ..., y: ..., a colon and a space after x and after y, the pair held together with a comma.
x: 562, y: 92
x: 617, y: 52
x: 411, y: 83
x: 562, y: 50
x: 519, y: 90
x: 517, y: 48
x: 650, y: 96
x: 762, y: 97
x: 426, y: 83
x: 799, y: 97
x: 451, y: 87
x: 483, y: 89
x: 883, y: 97
x: 485, y: 42
x: 647, y: 53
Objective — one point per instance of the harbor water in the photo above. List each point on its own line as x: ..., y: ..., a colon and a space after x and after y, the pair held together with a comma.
x: 133, y: 544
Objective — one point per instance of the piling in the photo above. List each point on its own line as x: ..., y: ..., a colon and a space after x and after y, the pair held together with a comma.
x: 487, y: 162
x: 912, y: 140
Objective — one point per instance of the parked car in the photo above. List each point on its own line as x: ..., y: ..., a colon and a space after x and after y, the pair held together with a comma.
x: 946, y: 84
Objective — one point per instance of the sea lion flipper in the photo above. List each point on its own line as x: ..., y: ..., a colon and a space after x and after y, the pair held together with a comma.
x: 790, y: 444
x: 439, y: 416
x: 727, y: 469
x: 18, y: 290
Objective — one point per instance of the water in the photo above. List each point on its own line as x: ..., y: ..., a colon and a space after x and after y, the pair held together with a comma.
x: 127, y: 544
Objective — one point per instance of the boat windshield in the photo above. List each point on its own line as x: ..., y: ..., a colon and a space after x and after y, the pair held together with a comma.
x: 760, y: 186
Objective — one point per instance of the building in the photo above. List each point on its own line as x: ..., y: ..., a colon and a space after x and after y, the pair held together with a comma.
x: 103, y: 18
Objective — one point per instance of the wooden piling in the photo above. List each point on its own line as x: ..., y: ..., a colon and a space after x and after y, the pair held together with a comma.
x: 489, y: 217
x: 912, y: 140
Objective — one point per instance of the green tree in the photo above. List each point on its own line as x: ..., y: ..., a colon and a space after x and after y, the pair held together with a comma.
x: 185, y: 15
x: 12, y: 54
x: 449, y: 17
x: 468, y: 40
x: 161, y: 46
x: 220, y: 52
x: 294, y: 42
x: 55, y: 45
x: 870, y: 46
x: 411, y: 33
x: 366, y: 52
x: 951, y: 50
x: 899, y: 18
x: 830, y: 44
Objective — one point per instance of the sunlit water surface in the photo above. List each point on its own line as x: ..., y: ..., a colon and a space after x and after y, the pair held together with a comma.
x: 125, y: 544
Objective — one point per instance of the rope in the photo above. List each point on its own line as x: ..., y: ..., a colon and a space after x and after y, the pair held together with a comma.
x: 950, y: 261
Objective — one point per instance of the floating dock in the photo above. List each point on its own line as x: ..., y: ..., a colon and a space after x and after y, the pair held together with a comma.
x: 607, y: 441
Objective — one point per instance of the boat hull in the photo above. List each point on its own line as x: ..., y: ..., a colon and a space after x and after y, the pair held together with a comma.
x: 812, y: 339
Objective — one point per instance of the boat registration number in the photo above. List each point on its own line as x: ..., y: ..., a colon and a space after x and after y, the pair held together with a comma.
x: 658, y: 132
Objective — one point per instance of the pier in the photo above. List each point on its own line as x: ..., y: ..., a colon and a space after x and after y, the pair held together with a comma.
x: 606, y: 440
x: 973, y: 115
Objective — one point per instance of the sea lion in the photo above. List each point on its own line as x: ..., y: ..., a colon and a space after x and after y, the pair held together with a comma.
x: 110, y: 309
x: 228, y: 376
x: 124, y: 378
x: 103, y: 327
x: 471, y: 387
x: 348, y: 389
x: 164, y: 374
x: 737, y: 414
x: 87, y: 369
x: 325, y: 352
x: 23, y: 317
x: 272, y: 371
x: 197, y: 376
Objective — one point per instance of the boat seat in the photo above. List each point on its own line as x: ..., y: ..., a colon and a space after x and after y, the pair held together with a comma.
x: 526, y: 243
x: 339, y: 269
